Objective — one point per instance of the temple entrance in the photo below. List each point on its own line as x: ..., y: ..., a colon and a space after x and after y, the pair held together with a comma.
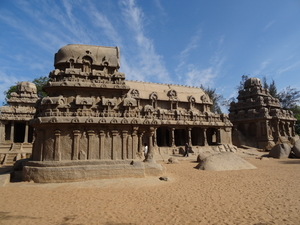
x: 241, y: 128
x: 212, y: 136
x: 163, y: 137
x: 197, y: 136
x: 180, y: 137
x: 252, y: 130
x: 19, y: 132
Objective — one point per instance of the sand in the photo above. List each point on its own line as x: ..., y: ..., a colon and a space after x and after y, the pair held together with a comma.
x: 266, y: 195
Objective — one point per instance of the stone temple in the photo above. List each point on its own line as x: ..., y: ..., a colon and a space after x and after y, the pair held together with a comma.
x: 93, y: 123
x: 259, y: 119
x: 15, y: 132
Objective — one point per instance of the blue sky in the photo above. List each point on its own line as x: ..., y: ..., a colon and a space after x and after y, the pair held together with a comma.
x: 193, y: 42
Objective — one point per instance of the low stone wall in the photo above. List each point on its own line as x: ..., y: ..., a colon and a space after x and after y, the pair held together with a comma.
x: 68, y: 171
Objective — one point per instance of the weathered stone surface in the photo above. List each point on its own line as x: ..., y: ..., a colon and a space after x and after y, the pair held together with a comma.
x: 92, y: 113
x: 258, y: 118
x: 173, y: 161
x: 224, y: 161
x: 296, y: 148
x: 280, y: 151
x: 69, y: 171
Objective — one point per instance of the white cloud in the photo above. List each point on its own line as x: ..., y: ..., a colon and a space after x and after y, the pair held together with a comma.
x: 287, y: 68
x: 269, y: 25
x: 261, y: 68
x: 147, y: 62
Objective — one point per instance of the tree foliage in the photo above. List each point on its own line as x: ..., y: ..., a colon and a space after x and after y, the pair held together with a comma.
x: 289, y: 97
x: 214, y: 97
x: 240, y: 87
x: 39, y: 82
x: 272, y: 87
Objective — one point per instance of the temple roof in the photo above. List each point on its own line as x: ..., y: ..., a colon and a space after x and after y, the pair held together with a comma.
x: 99, y: 55
x: 167, y: 91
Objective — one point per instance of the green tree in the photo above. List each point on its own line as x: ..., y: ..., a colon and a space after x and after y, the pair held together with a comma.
x: 289, y: 97
x: 214, y: 97
x: 9, y: 91
x: 240, y: 87
x: 39, y: 82
x: 272, y: 87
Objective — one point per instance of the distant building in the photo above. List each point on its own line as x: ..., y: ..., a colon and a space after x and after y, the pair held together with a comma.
x: 258, y: 118
x: 93, y: 123
x: 15, y: 132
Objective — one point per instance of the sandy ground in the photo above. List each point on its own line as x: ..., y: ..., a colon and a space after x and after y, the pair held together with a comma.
x: 266, y: 195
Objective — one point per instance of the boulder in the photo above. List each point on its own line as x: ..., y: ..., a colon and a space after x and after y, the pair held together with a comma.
x: 173, y: 161
x: 296, y: 148
x: 280, y: 151
x: 224, y: 161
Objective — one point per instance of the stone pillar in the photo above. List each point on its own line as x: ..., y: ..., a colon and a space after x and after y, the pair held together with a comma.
x: 135, y: 142
x: 114, y: 133
x: 189, y: 130
x: 76, y: 134
x: 258, y: 129
x: 26, y: 133
x: 172, y: 137
x: 124, y: 144
x: 90, y: 143
x: 150, y: 146
x: 101, y: 144
x: 293, y: 128
x: 205, y: 137
x: 141, y: 133
x: 155, y: 139
x: 12, y: 131
x: 37, y: 151
x: 57, y: 153
x: 2, y: 132
x: 218, y: 138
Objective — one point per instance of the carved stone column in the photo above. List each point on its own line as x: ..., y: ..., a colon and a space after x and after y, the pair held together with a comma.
x: 135, y: 142
x: 101, y: 144
x: 150, y: 146
x: 205, y: 137
x: 141, y: 134
x: 90, y: 143
x: 124, y: 144
x: 57, y: 152
x: 172, y: 137
x: 26, y: 133
x: 114, y: 133
x: 76, y: 134
x: 155, y: 139
x: 12, y: 131
x: 189, y: 129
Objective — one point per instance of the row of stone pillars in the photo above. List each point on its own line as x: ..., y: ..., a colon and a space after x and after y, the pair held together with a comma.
x: 12, y: 132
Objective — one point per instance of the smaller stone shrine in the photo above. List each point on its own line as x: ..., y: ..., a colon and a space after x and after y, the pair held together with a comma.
x: 15, y: 132
x: 258, y: 118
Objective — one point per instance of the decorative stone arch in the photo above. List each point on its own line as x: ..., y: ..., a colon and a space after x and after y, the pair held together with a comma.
x: 192, y: 101
x: 153, y: 97
x: 172, y: 94
x: 87, y: 62
x: 135, y: 93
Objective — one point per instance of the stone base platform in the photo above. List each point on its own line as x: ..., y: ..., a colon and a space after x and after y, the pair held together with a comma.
x: 68, y: 171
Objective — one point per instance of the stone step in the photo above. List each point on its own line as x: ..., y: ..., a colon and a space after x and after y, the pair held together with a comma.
x: 10, y: 159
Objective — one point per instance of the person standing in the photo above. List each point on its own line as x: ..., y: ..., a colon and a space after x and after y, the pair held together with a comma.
x: 187, y: 148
